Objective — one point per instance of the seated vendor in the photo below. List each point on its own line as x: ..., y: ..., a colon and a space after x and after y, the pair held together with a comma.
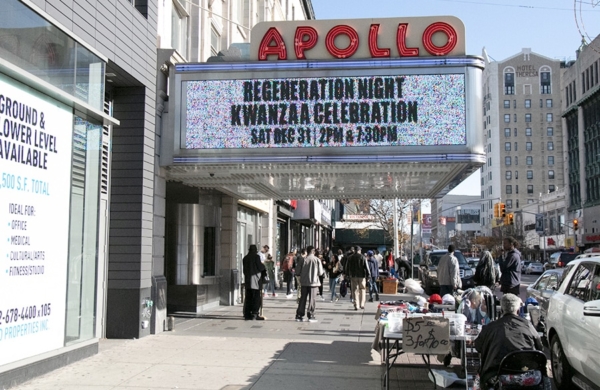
x: 498, y: 338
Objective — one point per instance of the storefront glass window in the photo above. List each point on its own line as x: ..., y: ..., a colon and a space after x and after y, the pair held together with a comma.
x: 83, y: 235
x: 35, y: 45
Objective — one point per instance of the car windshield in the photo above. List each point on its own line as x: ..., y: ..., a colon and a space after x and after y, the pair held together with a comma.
x: 435, y: 257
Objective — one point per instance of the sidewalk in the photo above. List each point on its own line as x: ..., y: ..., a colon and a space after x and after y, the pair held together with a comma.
x: 219, y: 350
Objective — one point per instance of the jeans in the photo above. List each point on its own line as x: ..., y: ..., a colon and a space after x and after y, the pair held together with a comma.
x: 289, y: 279
x: 270, y: 285
x: 373, y: 288
x: 321, y: 278
x: 332, y: 282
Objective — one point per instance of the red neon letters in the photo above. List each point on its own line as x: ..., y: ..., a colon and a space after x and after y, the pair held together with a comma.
x: 306, y: 38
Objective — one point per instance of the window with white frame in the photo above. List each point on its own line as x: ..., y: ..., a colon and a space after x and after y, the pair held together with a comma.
x: 506, y: 118
x: 507, y: 146
x: 527, y: 103
x: 528, y: 146
x: 215, y: 41
x: 508, y: 175
x: 529, y: 160
x: 550, y: 160
x: 507, y: 132
x: 549, y: 117
x: 550, y: 145
x: 509, y: 204
x: 507, y: 160
x: 507, y: 104
x: 528, y: 132
x: 508, y: 189
x: 550, y: 131
x: 529, y: 174
x: 179, y: 27
x: 530, y: 189
x: 551, y: 174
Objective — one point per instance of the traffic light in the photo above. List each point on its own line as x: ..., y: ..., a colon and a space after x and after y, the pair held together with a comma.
x: 496, y: 210
x: 511, y: 219
x: 575, y: 224
x: 502, y: 211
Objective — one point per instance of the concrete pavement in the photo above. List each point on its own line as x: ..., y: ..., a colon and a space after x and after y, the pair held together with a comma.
x: 219, y: 350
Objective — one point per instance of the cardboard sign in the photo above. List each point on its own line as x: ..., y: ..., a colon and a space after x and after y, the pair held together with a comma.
x: 426, y: 335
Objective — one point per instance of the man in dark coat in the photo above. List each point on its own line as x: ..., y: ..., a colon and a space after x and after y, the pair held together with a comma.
x: 510, y: 280
x: 358, y: 270
x: 254, y: 270
x: 498, y: 338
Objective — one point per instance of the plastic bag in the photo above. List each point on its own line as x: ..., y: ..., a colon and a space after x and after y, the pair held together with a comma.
x: 413, y: 286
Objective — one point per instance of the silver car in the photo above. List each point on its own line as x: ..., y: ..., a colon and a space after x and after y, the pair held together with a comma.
x: 534, y: 268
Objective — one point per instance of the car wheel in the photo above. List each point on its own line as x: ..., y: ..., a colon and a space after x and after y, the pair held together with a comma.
x: 561, y: 370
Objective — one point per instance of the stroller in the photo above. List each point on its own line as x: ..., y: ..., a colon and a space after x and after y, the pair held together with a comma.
x: 521, y: 370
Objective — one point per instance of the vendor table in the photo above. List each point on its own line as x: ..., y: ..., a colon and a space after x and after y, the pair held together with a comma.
x: 392, y: 343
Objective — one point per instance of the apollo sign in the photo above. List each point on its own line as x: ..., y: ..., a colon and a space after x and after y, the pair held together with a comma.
x: 358, y: 38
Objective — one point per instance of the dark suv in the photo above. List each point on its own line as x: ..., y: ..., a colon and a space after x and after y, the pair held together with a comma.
x: 559, y: 260
x: 428, y: 271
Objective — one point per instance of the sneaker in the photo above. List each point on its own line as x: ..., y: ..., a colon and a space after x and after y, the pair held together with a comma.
x: 362, y: 308
x: 274, y: 295
x: 370, y: 299
x: 260, y: 318
x: 299, y: 319
x: 322, y: 298
x: 289, y: 296
x: 265, y: 295
x: 337, y: 297
x: 313, y: 319
x: 355, y: 308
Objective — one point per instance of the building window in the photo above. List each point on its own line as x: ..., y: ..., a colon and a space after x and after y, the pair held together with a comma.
x: 509, y: 83
x: 507, y: 146
x: 215, y: 42
x: 529, y: 175
x: 507, y: 160
x: 509, y: 203
x: 517, y: 189
x: 507, y: 104
x: 516, y: 174
x: 528, y: 160
x: 546, y: 83
x: 550, y: 131
x: 506, y: 118
x: 509, y: 189
x: 508, y: 175
x: 179, y: 27
x: 551, y: 188
x: 528, y: 146
x: 528, y: 132
x: 527, y: 103
x: 549, y: 117
x: 527, y: 117
x: 550, y: 160
x: 515, y: 117
x: 507, y: 132
x: 550, y: 174
x: 489, y: 162
x: 490, y: 175
x: 516, y: 160
x: 548, y: 103
x: 530, y: 189
x: 515, y: 134
x: 516, y: 147
x: 550, y: 145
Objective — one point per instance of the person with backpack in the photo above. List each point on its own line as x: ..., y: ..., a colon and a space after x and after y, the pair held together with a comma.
x: 485, y: 273
x: 287, y: 266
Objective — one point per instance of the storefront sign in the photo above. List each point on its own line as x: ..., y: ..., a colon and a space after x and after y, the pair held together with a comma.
x: 35, y: 189
x: 326, y: 112
x: 358, y: 38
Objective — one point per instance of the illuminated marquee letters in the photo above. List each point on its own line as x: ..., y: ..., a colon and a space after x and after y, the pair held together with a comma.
x: 306, y: 38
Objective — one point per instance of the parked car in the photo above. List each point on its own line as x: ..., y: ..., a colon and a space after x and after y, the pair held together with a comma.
x: 534, y: 268
x: 473, y: 261
x: 541, y: 290
x: 559, y: 260
x: 524, y: 265
x: 573, y: 324
x: 428, y: 271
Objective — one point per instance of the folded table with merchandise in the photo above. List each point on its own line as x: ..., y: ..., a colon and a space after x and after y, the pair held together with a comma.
x: 404, y: 326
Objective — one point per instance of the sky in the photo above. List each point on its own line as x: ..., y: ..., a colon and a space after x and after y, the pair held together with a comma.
x: 552, y: 28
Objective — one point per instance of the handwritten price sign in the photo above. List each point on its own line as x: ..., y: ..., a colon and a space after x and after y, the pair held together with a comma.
x: 426, y: 335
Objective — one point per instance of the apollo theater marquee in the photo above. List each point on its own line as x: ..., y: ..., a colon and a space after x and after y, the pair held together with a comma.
x: 333, y: 108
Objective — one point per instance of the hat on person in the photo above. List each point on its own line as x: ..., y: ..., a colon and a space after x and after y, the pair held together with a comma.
x: 435, y: 298
x: 358, y: 248
x: 369, y: 252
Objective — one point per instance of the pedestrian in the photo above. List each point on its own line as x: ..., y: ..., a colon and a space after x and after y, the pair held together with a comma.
x: 263, y: 253
x: 358, y: 272
x: 510, y: 266
x: 310, y: 271
x: 345, y: 275
x: 287, y: 266
x: 270, y: 284
x: 334, y: 268
x: 320, y: 255
x: 374, y: 272
x: 449, y: 273
x: 379, y: 259
x: 297, y: 267
x: 485, y: 272
x: 254, y: 271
